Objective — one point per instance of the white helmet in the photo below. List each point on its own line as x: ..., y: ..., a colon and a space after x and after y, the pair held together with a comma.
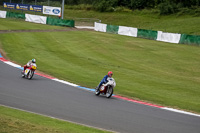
x: 33, y: 61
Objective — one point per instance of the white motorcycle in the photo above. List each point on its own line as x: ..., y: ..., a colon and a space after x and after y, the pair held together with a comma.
x: 106, y: 89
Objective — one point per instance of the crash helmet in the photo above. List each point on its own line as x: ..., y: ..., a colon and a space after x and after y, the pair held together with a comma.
x: 33, y: 61
x: 110, y: 73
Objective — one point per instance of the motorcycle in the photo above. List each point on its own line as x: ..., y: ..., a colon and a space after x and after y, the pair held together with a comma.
x: 106, y: 89
x: 29, y: 72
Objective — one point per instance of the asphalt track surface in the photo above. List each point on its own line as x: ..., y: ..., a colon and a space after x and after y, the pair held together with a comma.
x: 48, y: 97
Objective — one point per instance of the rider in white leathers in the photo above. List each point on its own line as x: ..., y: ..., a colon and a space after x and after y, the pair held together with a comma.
x: 31, y: 62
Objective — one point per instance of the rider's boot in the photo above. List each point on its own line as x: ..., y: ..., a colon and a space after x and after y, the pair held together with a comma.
x: 98, y: 88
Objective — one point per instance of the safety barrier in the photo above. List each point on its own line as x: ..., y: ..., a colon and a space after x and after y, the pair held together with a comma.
x: 127, y: 31
x: 149, y: 34
x: 100, y: 27
x: 2, y: 14
x: 36, y: 19
x: 60, y: 22
x: 190, y: 39
x: 15, y: 15
x: 112, y: 29
x: 168, y: 37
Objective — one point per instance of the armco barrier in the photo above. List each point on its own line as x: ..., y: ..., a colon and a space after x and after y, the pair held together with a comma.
x: 127, y: 31
x: 2, y: 14
x: 60, y: 22
x: 168, y: 37
x: 112, y: 29
x: 148, y: 34
x: 190, y: 39
x: 36, y: 19
x: 15, y: 15
x: 100, y: 27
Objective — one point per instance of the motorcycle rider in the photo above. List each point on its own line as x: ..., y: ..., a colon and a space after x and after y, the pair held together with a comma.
x: 31, y: 62
x: 104, y: 80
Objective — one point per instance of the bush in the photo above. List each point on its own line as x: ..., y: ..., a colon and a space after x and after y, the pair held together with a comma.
x: 194, y: 11
x: 80, y: 7
x: 167, y: 8
x: 122, y: 9
x: 105, y: 6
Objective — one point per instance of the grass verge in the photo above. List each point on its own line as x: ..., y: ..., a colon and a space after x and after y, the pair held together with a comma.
x: 16, y: 121
x: 159, y: 72
x: 18, y: 24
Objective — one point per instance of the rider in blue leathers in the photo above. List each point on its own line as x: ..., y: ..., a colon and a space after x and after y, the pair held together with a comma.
x: 104, y: 80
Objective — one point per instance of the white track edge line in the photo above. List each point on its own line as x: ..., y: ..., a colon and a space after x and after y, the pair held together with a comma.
x: 12, y: 64
x: 180, y: 111
x: 65, y: 82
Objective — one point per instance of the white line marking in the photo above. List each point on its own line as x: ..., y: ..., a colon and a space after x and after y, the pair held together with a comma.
x: 12, y: 64
x: 65, y: 82
x: 180, y: 111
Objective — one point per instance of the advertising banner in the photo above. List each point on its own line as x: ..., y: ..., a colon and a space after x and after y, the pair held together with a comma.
x: 22, y: 7
x: 9, y: 5
x: 35, y: 8
x: 52, y: 10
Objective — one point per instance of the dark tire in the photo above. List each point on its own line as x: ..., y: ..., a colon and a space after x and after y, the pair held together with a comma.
x: 30, y: 75
x: 97, y: 91
x: 109, y: 91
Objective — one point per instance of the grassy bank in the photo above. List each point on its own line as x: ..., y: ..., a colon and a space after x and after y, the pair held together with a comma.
x: 146, y: 19
x: 159, y: 72
x: 15, y: 121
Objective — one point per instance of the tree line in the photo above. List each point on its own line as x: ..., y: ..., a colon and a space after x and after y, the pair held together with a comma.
x: 136, y: 4
x: 165, y: 6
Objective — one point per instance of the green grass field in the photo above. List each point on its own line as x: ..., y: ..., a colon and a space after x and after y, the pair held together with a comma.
x: 15, y: 121
x: 162, y: 73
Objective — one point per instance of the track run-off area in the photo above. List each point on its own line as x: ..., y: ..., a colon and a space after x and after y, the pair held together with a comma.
x: 60, y: 99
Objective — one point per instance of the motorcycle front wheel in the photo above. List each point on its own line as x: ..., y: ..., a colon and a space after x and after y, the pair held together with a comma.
x: 30, y: 74
x: 109, y: 91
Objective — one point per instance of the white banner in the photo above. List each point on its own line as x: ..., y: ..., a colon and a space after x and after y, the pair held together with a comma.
x: 127, y: 31
x: 168, y: 37
x: 36, y: 18
x: 2, y: 14
x: 52, y: 10
x: 100, y: 27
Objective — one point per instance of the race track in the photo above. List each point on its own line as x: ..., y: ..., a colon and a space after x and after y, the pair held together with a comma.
x: 48, y: 97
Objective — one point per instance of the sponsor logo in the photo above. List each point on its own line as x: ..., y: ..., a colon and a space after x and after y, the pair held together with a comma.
x: 47, y: 10
x: 56, y: 11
